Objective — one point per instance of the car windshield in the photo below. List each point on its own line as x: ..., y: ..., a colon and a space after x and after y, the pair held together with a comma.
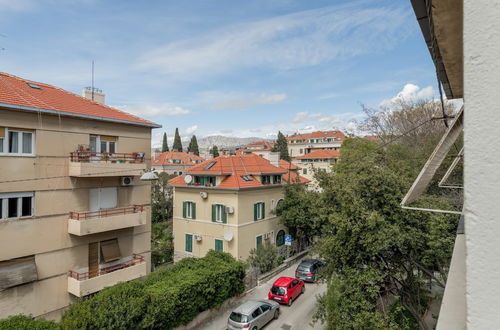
x: 238, y: 317
x: 303, y: 268
x: 278, y: 290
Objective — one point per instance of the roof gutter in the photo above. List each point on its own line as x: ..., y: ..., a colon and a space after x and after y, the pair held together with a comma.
x: 77, y: 115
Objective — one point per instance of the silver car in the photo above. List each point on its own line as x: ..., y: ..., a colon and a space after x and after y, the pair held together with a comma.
x: 253, y: 315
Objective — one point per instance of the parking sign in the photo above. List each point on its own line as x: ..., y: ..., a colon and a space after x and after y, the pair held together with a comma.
x: 288, y: 239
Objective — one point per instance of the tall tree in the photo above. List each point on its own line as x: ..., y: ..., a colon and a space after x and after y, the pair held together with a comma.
x: 164, y: 145
x: 177, y: 141
x: 193, y: 146
x: 281, y: 146
x: 215, y: 151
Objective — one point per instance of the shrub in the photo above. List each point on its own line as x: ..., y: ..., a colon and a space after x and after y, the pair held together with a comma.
x: 265, y: 257
x: 22, y: 322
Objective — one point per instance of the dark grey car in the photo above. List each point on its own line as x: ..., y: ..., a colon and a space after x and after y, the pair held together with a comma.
x: 253, y: 315
x: 308, y: 270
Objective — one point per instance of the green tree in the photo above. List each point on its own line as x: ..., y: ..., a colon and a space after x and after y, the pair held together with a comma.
x: 164, y: 145
x: 193, y: 146
x: 162, y: 243
x: 177, y: 146
x: 215, y: 151
x: 281, y: 146
x: 265, y: 257
x: 161, y: 199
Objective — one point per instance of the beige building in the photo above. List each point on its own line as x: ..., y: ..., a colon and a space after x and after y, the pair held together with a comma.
x: 261, y: 148
x: 74, y: 216
x: 226, y: 203
x: 318, y: 159
x: 302, y: 144
x: 174, y: 162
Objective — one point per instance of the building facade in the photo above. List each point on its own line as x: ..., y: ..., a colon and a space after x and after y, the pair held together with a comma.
x: 318, y: 159
x: 74, y: 216
x: 226, y: 203
x: 174, y: 162
x: 302, y: 144
x: 261, y: 148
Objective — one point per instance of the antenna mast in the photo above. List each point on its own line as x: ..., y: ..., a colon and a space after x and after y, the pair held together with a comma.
x: 92, y: 80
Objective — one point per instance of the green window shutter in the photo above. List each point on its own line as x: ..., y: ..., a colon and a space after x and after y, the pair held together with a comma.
x: 263, y: 211
x: 213, y: 212
x: 258, y: 241
x: 255, y: 211
x: 219, y: 245
x: 193, y: 207
x: 189, y: 243
x: 184, y: 209
x: 224, y: 214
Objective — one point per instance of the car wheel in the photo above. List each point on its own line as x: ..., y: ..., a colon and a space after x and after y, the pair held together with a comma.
x: 255, y: 328
x: 276, y: 314
x: 290, y: 302
x: 303, y: 290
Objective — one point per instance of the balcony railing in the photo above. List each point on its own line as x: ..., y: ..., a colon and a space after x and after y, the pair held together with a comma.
x: 91, y: 156
x: 106, y: 213
x: 82, y: 276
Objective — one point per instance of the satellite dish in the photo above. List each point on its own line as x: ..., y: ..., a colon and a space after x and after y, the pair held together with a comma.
x: 228, y: 236
x: 188, y: 179
x: 203, y: 194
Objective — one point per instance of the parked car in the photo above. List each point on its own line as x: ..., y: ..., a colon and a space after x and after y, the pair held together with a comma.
x: 308, y: 270
x: 285, y: 290
x: 253, y: 315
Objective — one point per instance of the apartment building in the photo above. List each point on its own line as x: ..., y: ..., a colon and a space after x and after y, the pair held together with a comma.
x: 302, y: 144
x: 317, y: 159
x: 74, y: 215
x: 174, y: 162
x: 261, y: 148
x: 226, y: 203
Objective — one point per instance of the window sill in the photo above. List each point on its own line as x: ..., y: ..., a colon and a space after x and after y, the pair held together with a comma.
x: 17, y: 155
x: 18, y: 218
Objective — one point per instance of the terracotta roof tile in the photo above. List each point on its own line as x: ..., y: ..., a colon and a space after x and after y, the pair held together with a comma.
x: 16, y: 91
x: 321, y: 154
x: 318, y: 135
x: 186, y: 159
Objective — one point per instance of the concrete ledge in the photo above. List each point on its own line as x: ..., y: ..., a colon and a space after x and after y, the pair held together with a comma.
x: 105, y: 169
x: 98, y: 225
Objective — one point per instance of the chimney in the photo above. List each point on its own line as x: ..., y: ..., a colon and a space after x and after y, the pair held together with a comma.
x: 273, y: 157
x: 157, y: 154
x: 96, y: 96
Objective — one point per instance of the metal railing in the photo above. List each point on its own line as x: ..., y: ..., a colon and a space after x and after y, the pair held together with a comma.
x: 81, y: 276
x: 115, y: 157
x: 106, y: 213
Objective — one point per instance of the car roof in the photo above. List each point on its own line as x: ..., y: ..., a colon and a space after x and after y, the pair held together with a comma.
x: 283, y: 281
x: 248, y: 307
x: 309, y: 262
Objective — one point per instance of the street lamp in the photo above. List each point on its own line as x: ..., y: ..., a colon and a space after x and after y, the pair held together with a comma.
x: 149, y: 176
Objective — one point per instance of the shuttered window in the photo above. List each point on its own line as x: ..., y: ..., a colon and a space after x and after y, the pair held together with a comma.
x: 259, y: 211
x: 189, y: 210
x: 219, y: 213
x: 17, y: 271
x: 189, y: 243
x: 110, y: 250
x: 219, y: 245
x: 258, y: 241
x: 280, y: 238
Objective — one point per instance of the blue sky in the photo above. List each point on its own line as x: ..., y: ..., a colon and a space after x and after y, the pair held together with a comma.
x: 236, y: 68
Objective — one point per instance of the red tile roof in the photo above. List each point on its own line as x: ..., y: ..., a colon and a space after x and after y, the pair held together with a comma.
x: 371, y: 138
x: 260, y: 145
x: 165, y: 157
x: 15, y: 91
x: 288, y: 165
x: 321, y: 154
x: 318, y: 135
x: 234, y: 168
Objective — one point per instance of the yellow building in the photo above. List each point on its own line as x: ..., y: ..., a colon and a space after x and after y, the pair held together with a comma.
x: 74, y: 216
x: 316, y: 160
x: 226, y: 203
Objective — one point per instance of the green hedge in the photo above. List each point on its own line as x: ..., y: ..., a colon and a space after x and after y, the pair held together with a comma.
x: 167, y: 298
x: 22, y: 322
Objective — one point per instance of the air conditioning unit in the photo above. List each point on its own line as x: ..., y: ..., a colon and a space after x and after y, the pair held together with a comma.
x: 197, y: 238
x: 268, y: 235
x: 203, y: 194
x: 229, y: 209
x: 127, y: 181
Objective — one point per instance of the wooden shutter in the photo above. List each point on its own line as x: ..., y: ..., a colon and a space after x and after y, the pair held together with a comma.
x: 110, y: 250
x: 263, y: 210
x: 184, y: 211
x: 193, y: 210
x: 224, y: 214
x: 2, y: 132
x: 259, y: 241
x: 213, y: 212
x: 219, y: 245
x: 255, y: 212
x: 17, y: 271
x: 93, y: 259
x: 189, y: 243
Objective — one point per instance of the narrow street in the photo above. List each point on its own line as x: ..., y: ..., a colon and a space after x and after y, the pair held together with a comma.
x: 298, y: 316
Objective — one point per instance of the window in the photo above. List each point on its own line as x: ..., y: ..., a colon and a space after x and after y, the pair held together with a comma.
x: 189, y: 210
x: 258, y: 241
x: 205, y: 180
x: 209, y: 166
x: 259, y: 211
x: 304, y: 171
x: 219, y: 245
x: 219, y: 213
x: 103, y: 198
x: 277, y: 179
x: 246, y: 178
x: 103, y: 143
x: 256, y: 313
x: 301, y: 151
x: 280, y: 238
x: 266, y: 179
x: 17, y: 271
x: 110, y: 250
x: 265, y: 307
x: 34, y: 86
x: 16, y: 142
x: 189, y: 243
x: 16, y: 205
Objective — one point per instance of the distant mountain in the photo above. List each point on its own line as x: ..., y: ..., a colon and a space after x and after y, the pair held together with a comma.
x: 227, y: 141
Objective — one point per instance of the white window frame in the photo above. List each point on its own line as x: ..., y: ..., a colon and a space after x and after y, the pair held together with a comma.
x: 4, y: 197
x: 189, y: 209
x: 218, y: 215
x: 5, y: 143
x: 98, y: 144
x: 260, y: 210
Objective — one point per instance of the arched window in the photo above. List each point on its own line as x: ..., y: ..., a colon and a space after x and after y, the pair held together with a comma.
x: 280, y: 238
x: 280, y: 201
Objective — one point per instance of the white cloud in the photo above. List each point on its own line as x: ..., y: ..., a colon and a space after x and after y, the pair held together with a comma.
x: 296, y: 40
x: 191, y: 130
x: 235, y: 101
x: 410, y: 92
x: 154, y: 110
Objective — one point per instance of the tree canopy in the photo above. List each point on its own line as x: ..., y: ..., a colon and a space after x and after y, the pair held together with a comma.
x: 177, y: 146
x: 164, y: 145
x: 193, y: 146
x: 281, y: 146
x: 214, y: 151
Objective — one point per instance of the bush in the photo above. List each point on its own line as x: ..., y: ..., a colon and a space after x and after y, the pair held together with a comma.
x: 22, y: 322
x: 265, y: 257
x: 166, y: 299
x: 162, y: 243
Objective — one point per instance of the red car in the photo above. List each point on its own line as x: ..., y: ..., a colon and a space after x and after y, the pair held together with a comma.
x: 286, y: 289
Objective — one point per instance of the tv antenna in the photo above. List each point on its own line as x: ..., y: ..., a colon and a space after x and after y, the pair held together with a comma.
x: 92, y: 80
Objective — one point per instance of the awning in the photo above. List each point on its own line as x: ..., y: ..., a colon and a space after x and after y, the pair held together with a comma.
x: 17, y: 271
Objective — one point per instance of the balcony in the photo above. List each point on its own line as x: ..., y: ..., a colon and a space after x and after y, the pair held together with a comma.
x: 97, y: 164
x: 86, y: 223
x: 82, y: 282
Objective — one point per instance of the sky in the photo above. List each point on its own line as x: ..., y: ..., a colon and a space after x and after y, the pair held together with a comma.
x: 225, y: 67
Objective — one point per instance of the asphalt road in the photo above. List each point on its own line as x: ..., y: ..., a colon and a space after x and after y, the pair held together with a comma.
x: 296, y: 317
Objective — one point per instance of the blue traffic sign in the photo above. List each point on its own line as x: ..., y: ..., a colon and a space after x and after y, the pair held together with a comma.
x: 288, y: 239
